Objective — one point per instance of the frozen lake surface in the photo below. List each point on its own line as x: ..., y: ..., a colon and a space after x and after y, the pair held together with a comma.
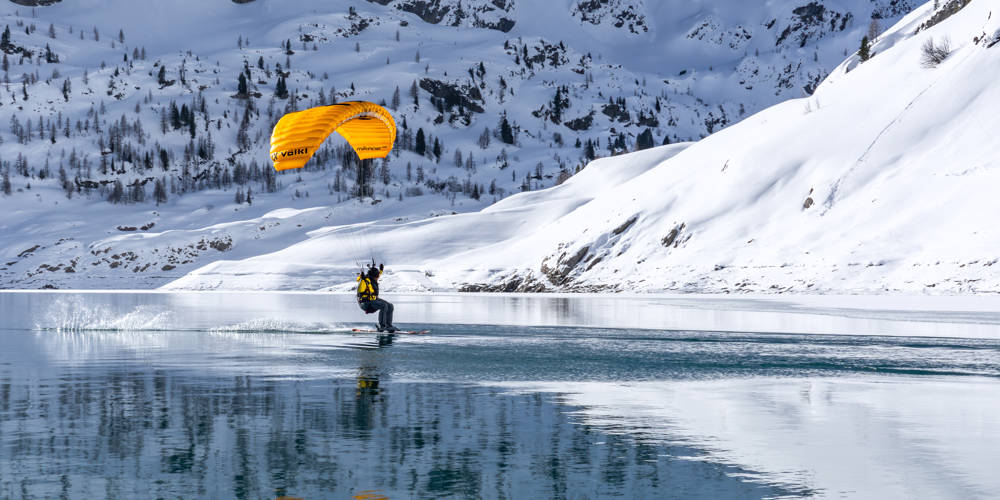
x: 259, y: 395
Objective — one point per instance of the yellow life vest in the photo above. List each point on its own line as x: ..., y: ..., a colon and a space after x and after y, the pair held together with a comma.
x: 367, y: 291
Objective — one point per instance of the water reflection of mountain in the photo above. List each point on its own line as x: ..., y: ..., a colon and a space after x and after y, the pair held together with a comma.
x: 134, y: 432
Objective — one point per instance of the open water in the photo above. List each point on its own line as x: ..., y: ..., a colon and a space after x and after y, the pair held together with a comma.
x: 239, y: 395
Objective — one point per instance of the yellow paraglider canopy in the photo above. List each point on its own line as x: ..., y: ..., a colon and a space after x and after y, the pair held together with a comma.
x: 368, y: 128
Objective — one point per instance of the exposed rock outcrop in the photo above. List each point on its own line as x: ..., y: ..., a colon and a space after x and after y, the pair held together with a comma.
x: 35, y: 3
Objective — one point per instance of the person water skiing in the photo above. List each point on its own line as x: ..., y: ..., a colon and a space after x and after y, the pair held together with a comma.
x: 368, y: 297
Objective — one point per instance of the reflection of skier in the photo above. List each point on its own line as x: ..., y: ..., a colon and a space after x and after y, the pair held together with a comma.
x: 368, y: 298
x: 366, y: 395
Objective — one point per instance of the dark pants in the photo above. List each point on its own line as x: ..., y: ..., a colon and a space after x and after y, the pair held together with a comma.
x: 384, y: 309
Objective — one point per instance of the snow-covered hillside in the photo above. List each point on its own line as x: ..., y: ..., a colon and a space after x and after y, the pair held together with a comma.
x: 130, y: 148
x: 883, y: 180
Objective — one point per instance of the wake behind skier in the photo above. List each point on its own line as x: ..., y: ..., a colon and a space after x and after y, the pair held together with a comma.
x: 368, y: 297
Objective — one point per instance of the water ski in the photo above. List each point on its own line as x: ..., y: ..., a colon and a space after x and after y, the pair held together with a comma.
x: 397, y: 332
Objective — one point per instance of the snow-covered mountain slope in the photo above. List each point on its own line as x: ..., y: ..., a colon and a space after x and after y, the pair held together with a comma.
x: 329, y: 258
x: 139, y: 103
x: 883, y: 180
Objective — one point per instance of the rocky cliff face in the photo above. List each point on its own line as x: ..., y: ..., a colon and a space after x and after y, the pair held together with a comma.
x: 628, y: 15
x: 493, y: 14
x: 35, y: 3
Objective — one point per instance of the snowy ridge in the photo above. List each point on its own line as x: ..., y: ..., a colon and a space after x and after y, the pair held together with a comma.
x: 881, y: 181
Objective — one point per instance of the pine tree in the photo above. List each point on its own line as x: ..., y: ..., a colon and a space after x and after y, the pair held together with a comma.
x: 5, y: 183
x: 238, y: 198
x: 191, y: 124
x: 5, y: 39
x: 504, y: 163
x: 644, y: 140
x: 484, y: 139
x: 395, y: 99
x: 421, y: 145
x: 241, y: 87
x: 865, y: 51
x: 117, y: 193
x: 563, y: 176
x: 384, y: 172
x: 160, y: 191
x: 559, y: 103
x: 281, y: 89
x: 437, y: 149
x: 249, y: 196
x: 161, y: 77
x: 137, y: 193
x: 506, y: 133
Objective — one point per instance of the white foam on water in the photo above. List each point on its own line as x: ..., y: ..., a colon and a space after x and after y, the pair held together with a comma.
x: 272, y: 325
x: 72, y: 315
